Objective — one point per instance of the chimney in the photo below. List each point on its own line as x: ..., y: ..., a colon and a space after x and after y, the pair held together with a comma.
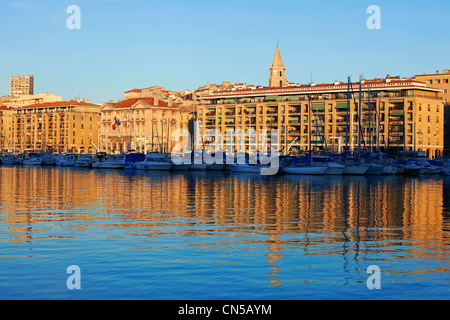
x: 110, y: 101
x: 437, y: 71
x: 155, y: 101
x: 169, y: 102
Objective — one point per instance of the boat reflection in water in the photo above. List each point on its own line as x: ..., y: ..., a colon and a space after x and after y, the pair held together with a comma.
x: 213, y: 235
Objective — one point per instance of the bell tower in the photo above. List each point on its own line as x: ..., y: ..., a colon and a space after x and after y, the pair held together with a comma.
x: 277, y: 71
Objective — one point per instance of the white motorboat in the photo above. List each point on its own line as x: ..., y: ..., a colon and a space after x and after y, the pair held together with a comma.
x: 84, y: 160
x: 154, y: 161
x: 198, y: 163
x: 48, y: 160
x: 66, y: 160
x: 9, y: 159
x: 183, y: 166
x: 32, y: 161
x: 245, y: 167
x: 111, y: 162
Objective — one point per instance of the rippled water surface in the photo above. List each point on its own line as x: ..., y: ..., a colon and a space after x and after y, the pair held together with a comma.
x: 204, y: 235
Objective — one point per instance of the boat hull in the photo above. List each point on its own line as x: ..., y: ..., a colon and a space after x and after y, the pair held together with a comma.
x: 306, y: 170
x: 215, y: 166
x: 335, y: 171
x: 198, y: 167
x: 244, y: 168
x: 376, y: 169
x: 355, y: 170
x: 180, y: 167
x: 33, y: 162
x: 108, y: 165
x: 83, y: 164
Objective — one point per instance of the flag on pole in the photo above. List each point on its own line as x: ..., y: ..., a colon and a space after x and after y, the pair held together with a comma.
x: 115, y: 123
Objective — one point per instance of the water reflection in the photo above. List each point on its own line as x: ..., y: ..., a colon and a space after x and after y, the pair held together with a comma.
x: 358, y: 220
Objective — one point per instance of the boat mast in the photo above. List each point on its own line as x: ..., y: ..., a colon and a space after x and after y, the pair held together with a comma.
x: 309, y: 124
x: 359, y: 117
x: 370, y: 127
x: 348, y: 116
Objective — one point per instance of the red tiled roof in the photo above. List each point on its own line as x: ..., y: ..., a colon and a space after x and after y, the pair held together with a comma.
x: 149, y: 100
x: 4, y: 108
x: 60, y: 104
x: 134, y: 90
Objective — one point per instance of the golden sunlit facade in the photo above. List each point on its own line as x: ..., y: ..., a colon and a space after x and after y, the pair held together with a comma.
x: 402, y: 114
x: 140, y: 124
x: 396, y: 114
x: 66, y: 126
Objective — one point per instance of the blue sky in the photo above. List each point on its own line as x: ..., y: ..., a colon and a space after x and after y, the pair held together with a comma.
x: 182, y: 44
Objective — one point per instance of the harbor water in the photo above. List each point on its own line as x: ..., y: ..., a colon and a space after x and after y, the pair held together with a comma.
x: 221, y: 235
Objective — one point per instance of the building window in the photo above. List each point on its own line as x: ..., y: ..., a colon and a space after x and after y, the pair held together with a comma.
x: 429, y: 81
x: 438, y: 81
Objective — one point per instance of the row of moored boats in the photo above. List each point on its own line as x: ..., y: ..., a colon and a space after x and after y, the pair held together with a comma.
x: 310, y: 165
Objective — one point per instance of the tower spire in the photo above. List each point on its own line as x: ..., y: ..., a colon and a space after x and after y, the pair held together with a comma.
x: 277, y: 61
x: 277, y: 69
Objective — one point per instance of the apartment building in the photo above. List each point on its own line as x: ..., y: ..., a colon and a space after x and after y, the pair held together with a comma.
x: 22, y: 85
x: 392, y: 113
x: 65, y: 126
x: 440, y: 80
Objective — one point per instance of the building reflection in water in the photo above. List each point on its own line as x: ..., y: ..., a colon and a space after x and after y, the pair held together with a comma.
x: 346, y: 216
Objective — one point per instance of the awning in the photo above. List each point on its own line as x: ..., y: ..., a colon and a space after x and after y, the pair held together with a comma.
x: 396, y: 114
x: 342, y: 105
